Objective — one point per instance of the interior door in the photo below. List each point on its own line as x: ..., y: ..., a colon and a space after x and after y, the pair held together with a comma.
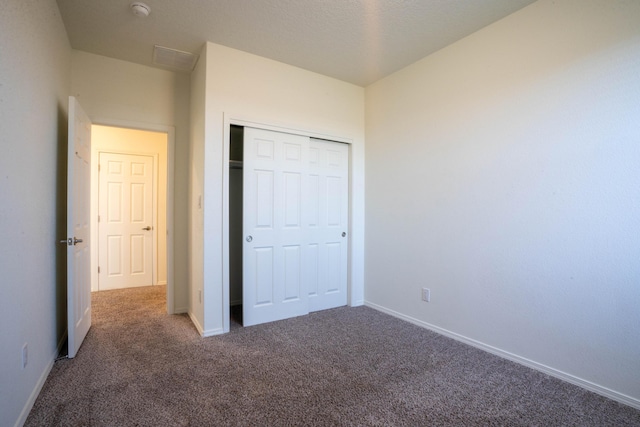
x: 125, y: 223
x: 274, y: 187
x: 78, y: 253
x: 328, y: 224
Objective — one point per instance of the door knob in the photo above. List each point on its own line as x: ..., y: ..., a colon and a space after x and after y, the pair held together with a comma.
x: 147, y: 228
x: 249, y: 238
x: 71, y: 241
x: 344, y: 234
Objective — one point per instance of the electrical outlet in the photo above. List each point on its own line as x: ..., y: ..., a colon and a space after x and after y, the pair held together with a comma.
x: 25, y: 355
x: 426, y: 294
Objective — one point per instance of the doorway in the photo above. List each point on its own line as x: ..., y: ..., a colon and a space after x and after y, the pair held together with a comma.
x: 152, y: 149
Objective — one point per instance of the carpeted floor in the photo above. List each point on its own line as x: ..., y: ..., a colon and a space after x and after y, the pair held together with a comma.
x: 342, y: 367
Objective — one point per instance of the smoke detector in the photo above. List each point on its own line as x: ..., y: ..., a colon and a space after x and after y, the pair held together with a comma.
x: 140, y: 9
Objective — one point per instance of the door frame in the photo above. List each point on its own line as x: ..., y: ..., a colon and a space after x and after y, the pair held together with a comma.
x: 230, y: 119
x: 170, y: 132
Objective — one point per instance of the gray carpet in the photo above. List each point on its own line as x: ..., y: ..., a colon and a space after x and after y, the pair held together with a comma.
x: 342, y: 367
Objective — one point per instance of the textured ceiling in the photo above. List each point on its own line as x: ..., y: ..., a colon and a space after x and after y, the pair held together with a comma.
x: 358, y: 41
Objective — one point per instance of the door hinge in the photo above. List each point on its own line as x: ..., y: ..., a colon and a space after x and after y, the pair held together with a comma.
x: 98, y: 167
x: 98, y: 270
x: 98, y: 218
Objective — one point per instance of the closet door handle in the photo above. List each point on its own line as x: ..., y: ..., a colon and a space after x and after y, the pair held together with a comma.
x: 249, y: 239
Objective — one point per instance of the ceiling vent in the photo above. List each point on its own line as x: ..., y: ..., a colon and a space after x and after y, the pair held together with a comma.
x: 174, y: 59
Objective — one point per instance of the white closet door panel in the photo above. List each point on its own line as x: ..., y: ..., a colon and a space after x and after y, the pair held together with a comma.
x: 292, y: 200
x: 274, y: 185
x: 334, y: 210
x: 262, y: 283
x: 264, y: 198
x: 292, y: 274
x: 334, y: 272
x: 311, y: 271
x: 313, y: 201
x: 327, y: 220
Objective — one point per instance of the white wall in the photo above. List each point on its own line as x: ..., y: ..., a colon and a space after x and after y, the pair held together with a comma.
x: 34, y: 88
x: 113, y: 91
x: 502, y: 173
x: 242, y: 85
x: 132, y: 141
x: 196, y: 160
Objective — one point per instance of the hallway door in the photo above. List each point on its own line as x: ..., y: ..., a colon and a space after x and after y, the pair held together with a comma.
x: 126, y: 220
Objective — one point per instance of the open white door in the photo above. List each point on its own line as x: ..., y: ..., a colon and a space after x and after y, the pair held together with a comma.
x: 274, y: 187
x: 78, y: 254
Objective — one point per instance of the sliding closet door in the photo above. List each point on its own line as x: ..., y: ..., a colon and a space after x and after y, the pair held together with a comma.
x: 327, y: 221
x: 274, y: 187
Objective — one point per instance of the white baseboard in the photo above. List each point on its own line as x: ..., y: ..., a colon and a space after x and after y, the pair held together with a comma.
x: 195, y: 322
x: 38, y: 387
x: 212, y: 332
x: 603, y: 391
x: 201, y: 330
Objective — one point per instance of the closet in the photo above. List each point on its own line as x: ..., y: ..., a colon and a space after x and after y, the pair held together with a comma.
x: 288, y: 224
